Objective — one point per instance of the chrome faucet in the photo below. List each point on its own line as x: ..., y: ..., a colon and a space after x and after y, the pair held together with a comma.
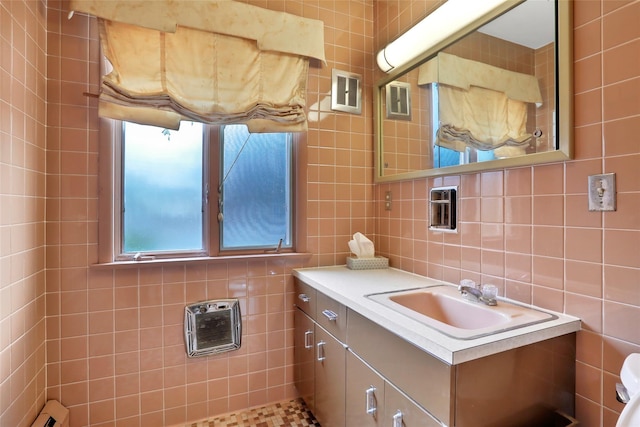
x: 475, y: 295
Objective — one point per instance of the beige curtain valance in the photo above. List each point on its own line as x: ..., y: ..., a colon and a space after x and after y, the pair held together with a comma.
x: 272, y: 30
x: 231, y: 74
x: 464, y: 73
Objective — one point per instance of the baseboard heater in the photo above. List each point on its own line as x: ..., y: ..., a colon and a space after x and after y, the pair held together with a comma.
x: 212, y: 327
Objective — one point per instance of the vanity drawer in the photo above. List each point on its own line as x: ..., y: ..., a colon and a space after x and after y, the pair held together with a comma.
x: 305, y: 298
x: 332, y: 316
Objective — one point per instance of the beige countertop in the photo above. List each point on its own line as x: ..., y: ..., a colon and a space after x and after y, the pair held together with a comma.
x: 351, y: 287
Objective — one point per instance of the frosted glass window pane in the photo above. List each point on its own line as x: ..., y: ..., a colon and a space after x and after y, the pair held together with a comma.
x: 256, y: 190
x: 162, y: 188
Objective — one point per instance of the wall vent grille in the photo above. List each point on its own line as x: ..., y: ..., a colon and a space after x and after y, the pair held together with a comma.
x: 346, y: 92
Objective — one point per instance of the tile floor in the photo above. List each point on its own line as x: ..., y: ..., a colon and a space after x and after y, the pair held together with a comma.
x: 293, y: 413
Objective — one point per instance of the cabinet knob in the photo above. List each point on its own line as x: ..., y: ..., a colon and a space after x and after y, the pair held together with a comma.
x: 397, y: 419
x: 304, y: 298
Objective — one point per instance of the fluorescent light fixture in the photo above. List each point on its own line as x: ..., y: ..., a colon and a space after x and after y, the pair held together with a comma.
x: 448, y: 19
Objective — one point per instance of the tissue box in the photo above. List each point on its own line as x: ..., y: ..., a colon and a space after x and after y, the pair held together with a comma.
x: 52, y: 415
x: 367, y: 263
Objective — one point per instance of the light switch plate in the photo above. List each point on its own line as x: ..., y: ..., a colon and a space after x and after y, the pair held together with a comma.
x: 387, y: 200
x: 602, y: 192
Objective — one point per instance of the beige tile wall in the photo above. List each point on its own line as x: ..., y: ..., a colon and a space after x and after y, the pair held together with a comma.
x: 22, y: 210
x: 528, y: 230
x: 115, y: 351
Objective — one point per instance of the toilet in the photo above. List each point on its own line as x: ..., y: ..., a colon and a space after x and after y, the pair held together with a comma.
x: 630, y: 376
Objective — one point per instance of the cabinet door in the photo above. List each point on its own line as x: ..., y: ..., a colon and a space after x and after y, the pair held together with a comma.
x: 330, y: 379
x: 364, y: 394
x: 304, y: 357
x: 400, y: 411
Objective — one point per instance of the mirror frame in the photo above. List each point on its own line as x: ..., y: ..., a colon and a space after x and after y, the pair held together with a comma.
x: 564, y: 95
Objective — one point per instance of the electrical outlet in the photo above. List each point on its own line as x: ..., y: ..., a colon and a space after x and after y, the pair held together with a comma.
x: 387, y: 200
x: 602, y: 192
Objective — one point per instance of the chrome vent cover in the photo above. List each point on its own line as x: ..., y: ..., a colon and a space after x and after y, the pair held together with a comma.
x: 212, y: 327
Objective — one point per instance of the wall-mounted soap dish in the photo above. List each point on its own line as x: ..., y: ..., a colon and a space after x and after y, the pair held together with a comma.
x: 443, y: 209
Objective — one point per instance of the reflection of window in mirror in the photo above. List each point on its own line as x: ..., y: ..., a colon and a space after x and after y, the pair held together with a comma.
x: 398, y: 101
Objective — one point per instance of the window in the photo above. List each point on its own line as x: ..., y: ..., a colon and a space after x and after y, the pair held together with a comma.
x: 163, y: 181
x: 255, y: 189
x: 197, y: 192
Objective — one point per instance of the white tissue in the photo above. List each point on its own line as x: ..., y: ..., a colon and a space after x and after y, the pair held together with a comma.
x: 361, y: 246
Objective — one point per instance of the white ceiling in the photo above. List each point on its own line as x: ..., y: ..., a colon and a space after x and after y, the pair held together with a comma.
x: 530, y: 24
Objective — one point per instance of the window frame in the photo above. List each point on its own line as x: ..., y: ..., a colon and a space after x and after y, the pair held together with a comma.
x: 110, y: 201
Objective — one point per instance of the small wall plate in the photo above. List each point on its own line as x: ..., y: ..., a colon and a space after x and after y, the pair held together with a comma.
x: 602, y: 192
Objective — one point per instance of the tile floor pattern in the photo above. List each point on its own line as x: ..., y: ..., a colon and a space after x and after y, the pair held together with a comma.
x: 291, y: 414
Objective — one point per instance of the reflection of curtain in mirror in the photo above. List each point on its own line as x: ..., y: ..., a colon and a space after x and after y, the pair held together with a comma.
x: 480, y: 105
x: 480, y: 118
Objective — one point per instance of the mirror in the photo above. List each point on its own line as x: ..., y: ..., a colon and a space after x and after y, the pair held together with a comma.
x: 496, y: 94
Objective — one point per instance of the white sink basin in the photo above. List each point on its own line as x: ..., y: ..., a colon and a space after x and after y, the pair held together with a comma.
x: 443, y: 308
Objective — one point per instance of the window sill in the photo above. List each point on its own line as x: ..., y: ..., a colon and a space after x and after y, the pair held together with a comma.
x: 206, y: 260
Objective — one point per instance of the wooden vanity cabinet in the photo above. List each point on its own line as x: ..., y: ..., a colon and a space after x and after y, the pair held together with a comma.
x: 320, y: 325
x: 516, y: 387
x: 345, y: 363
x: 333, y: 381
